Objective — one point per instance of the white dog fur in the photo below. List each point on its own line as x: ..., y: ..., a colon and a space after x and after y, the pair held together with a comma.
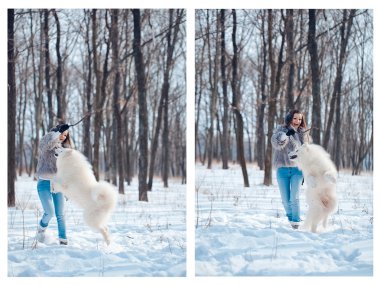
x: 320, y: 176
x: 76, y: 180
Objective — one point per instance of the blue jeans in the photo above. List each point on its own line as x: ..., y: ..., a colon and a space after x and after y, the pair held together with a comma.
x: 53, y: 204
x: 289, y: 181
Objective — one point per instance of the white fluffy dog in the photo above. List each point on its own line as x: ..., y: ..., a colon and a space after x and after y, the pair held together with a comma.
x: 320, y: 175
x: 76, y: 180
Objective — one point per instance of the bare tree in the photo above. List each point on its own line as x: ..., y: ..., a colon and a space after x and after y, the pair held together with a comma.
x: 235, y: 106
x: 11, y: 110
x: 87, y: 147
x: 224, y: 141
x: 118, y: 134
x: 65, y: 56
x: 171, y: 39
x: 260, y: 145
x: 213, y: 81
x: 61, y: 112
x: 100, y: 89
x: 312, y: 42
x: 38, y: 91
x: 314, y: 65
x: 336, y: 95
x: 47, y: 69
x: 274, y: 89
x: 143, y: 112
x: 289, y: 27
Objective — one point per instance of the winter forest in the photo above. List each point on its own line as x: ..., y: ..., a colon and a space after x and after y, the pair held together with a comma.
x: 254, y: 66
x: 119, y: 75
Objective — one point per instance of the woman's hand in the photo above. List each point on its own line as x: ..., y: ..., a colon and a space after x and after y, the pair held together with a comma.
x: 63, y: 128
x: 281, y: 139
x: 290, y: 132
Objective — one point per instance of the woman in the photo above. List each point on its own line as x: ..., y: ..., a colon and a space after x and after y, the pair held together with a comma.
x: 52, y: 203
x: 289, y: 177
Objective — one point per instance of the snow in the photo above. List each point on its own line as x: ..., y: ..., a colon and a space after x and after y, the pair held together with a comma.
x: 238, y: 232
x: 148, y: 239
x: 244, y: 232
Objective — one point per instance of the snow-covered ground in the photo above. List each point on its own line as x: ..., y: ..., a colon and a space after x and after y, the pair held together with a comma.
x: 243, y: 231
x: 149, y: 239
x: 239, y: 232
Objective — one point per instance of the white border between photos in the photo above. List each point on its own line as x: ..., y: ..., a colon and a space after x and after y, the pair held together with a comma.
x: 190, y: 5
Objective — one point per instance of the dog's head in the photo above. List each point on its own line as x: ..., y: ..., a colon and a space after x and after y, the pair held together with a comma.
x: 60, y: 151
x: 299, y: 150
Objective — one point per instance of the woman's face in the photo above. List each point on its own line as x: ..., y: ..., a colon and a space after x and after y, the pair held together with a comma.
x: 63, y: 136
x: 296, y: 121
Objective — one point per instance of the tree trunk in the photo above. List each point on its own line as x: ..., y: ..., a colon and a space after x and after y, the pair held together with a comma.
x: 224, y: 140
x: 21, y: 119
x: 213, y: 76
x: 165, y: 142
x: 338, y: 80
x: 272, y: 105
x: 38, y: 93
x: 143, y: 112
x: 61, y: 114
x: 98, y: 99
x: 260, y: 145
x: 274, y: 89
x: 314, y: 65
x: 198, y: 96
x: 100, y: 89
x: 345, y: 34
x: 235, y: 105
x: 116, y: 98
x: 290, y: 58
x: 11, y: 110
x: 164, y: 102
x: 87, y: 106
x: 47, y: 69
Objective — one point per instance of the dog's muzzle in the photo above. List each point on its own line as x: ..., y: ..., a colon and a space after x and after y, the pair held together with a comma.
x: 57, y: 151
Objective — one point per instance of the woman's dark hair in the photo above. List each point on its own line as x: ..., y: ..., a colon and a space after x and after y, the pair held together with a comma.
x: 289, y: 117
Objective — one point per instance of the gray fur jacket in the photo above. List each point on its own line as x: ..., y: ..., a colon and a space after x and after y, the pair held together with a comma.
x: 282, y: 145
x: 46, y: 165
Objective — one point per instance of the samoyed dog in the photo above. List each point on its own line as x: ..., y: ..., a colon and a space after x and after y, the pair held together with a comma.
x: 320, y: 176
x: 76, y: 180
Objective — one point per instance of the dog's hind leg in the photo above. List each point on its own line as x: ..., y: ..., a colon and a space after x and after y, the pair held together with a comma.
x: 314, y: 227
x: 104, y: 231
x: 307, y: 222
x: 324, y: 223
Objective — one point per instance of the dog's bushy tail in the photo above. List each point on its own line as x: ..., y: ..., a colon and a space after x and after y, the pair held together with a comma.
x: 105, y: 194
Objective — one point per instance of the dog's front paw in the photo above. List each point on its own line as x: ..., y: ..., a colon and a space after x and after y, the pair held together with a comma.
x: 57, y: 185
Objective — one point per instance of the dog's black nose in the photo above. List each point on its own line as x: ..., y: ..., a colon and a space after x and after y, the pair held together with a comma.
x: 293, y: 156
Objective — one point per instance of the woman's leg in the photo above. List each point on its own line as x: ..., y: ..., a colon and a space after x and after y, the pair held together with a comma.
x: 295, y: 184
x: 59, y: 205
x: 43, y: 188
x: 283, y: 180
